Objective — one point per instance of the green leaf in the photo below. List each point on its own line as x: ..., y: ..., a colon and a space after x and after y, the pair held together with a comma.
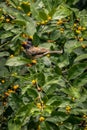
x: 71, y: 45
x: 30, y: 28
x: 42, y: 14
x: 25, y: 7
x: 23, y: 113
x: 57, y: 117
x: 5, y: 35
x: 72, y: 91
x: 41, y: 79
x: 53, y: 99
x: 17, y: 61
x: 35, y: 11
x: 54, y: 81
x: 76, y: 70
x: 47, y: 4
x: 81, y: 57
x: 8, y: 26
x: 81, y: 81
x: 61, y: 12
x: 32, y: 93
x: 13, y: 126
x: 5, y: 53
x: 63, y: 61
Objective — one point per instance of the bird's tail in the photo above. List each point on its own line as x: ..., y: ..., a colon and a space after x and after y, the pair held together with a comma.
x: 48, y: 52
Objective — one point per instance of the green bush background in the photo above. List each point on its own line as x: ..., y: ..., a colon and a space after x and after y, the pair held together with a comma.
x: 49, y: 93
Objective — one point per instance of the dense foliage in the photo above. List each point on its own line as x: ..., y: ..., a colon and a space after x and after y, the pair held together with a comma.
x: 48, y: 93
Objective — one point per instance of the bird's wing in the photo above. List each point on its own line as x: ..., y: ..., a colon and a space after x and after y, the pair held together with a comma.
x: 36, y: 51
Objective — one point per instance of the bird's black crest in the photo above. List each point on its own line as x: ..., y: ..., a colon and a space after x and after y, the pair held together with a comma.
x: 28, y: 44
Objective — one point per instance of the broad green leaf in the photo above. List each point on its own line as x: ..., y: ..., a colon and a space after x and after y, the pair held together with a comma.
x: 20, y: 22
x: 61, y: 12
x: 55, y: 35
x: 8, y: 26
x: 5, y: 53
x: 72, y: 91
x: 81, y: 80
x: 71, y: 45
x: 41, y: 79
x: 17, y: 61
x: 6, y: 35
x: 76, y: 70
x: 23, y: 113
x: 53, y: 99
x: 25, y: 7
x: 35, y: 12
x: 57, y: 117
x: 30, y: 28
x: 50, y: 83
x: 81, y: 57
x: 32, y: 93
x: 42, y: 14
x: 63, y: 61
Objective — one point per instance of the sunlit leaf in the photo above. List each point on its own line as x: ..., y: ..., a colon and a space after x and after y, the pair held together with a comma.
x: 17, y: 61
x: 81, y: 57
x: 76, y: 70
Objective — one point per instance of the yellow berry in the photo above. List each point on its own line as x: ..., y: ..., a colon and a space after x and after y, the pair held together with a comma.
x: 29, y: 13
x: 3, y: 81
x: 84, y: 116
x: 75, y: 25
x: 31, y: 37
x: 19, y: 8
x: 15, y: 87
x: 39, y: 105
x: 68, y: 108
x: 11, y: 56
x: 43, y: 22
x: 34, y: 61
x: 78, y: 31
x: 79, y: 28
x: 46, y: 21
x: 10, y: 91
x: 24, y: 42
x: 73, y: 99
x: 6, y: 94
x: 60, y: 22
x: 7, y: 20
x: 24, y: 35
x: 83, y: 46
x: 49, y: 17
x: 41, y: 119
x: 81, y: 39
x: 61, y: 30
x: 34, y: 82
x: 83, y: 28
x: 48, y: 55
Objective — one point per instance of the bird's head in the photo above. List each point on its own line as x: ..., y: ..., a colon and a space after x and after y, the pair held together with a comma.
x: 27, y: 44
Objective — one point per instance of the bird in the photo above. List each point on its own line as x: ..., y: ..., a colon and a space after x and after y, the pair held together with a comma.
x: 37, y: 52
